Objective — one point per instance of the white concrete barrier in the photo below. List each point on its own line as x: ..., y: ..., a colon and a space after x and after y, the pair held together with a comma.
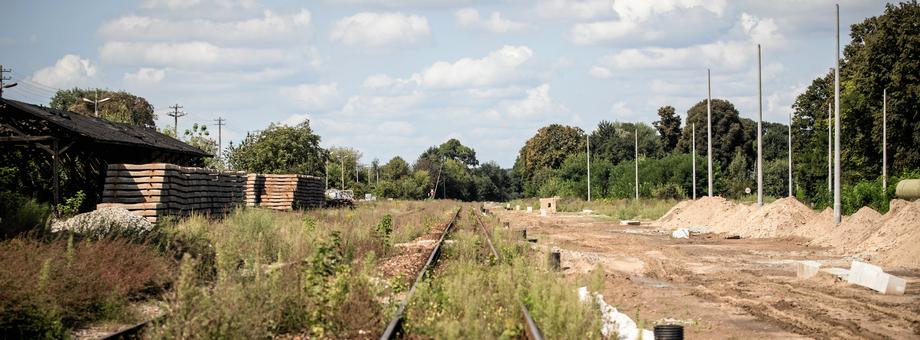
x: 806, y: 269
x: 872, y: 277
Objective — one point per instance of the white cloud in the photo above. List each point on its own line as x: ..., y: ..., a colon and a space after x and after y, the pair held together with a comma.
x: 381, y: 105
x: 396, y: 128
x: 189, y: 54
x: 574, y: 9
x: 730, y: 55
x: 600, y: 72
x: 312, y: 96
x: 145, y: 75
x: 537, y: 103
x: 70, y: 70
x: 642, y: 20
x: 498, y: 66
x: 469, y: 17
x: 762, y: 31
x: 270, y: 27
x: 370, y: 29
x: 622, y: 111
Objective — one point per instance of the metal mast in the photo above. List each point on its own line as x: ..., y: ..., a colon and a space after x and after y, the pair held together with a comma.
x: 759, y: 131
x: 588, y: 153
x: 709, y: 127
x: 884, y: 141
x: 637, y: 163
x: 837, y: 124
x: 693, y: 157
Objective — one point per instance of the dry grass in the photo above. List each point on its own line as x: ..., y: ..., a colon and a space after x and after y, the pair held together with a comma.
x: 49, y: 287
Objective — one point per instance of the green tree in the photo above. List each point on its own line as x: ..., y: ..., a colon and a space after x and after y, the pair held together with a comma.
x: 122, y: 107
x: 279, y: 149
x: 395, y: 169
x: 739, y: 176
x: 616, y: 141
x: 729, y: 134
x: 548, y: 149
x: 668, y: 126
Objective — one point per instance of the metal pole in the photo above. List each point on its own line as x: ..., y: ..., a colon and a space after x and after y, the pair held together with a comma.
x: 96, y: 104
x: 709, y: 127
x: 837, y: 125
x: 759, y: 130
x: 327, y: 175
x: 884, y: 141
x: 789, y: 153
x: 588, y: 153
x: 693, y: 157
x: 637, y: 163
x: 830, y: 150
x: 342, y: 161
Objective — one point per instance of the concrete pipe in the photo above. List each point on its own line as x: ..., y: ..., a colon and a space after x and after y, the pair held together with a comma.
x: 908, y: 189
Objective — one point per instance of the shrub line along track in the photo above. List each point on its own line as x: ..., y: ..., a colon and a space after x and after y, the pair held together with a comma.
x: 395, y: 326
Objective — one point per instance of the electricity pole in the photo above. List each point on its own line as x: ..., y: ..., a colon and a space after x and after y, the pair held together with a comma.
x: 176, y: 114
x: 637, y: 163
x: 790, y: 154
x: 759, y: 131
x: 830, y: 150
x: 837, y: 124
x: 884, y: 141
x: 2, y: 78
x: 709, y: 127
x: 96, y: 102
x: 220, y: 125
x: 693, y: 156
x: 588, y: 153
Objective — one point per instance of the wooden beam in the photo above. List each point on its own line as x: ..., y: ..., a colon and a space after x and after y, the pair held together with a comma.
x: 29, y: 139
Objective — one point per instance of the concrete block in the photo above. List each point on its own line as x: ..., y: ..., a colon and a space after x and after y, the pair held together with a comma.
x: 806, y: 269
x: 872, y: 277
x: 529, y: 209
x: 842, y: 273
x: 542, y: 212
x: 629, y: 222
x: 517, y: 207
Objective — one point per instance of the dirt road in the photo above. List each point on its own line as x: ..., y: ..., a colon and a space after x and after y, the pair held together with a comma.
x: 744, y: 289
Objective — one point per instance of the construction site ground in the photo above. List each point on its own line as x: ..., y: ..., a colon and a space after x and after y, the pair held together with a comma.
x: 721, y: 288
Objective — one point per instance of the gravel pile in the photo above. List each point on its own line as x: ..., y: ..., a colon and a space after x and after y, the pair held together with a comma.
x: 105, y: 222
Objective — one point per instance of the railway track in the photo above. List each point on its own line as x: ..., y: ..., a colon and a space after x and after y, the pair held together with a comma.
x: 394, y: 328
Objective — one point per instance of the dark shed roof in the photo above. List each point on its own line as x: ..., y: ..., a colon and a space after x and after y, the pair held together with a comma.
x: 102, y: 131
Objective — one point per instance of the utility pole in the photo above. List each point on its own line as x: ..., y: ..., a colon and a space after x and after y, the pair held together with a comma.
x: 176, y: 114
x: 790, y: 154
x: 342, y: 161
x: 693, y: 156
x: 220, y: 125
x: 2, y: 78
x: 588, y: 153
x: 759, y: 130
x: 637, y: 163
x: 884, y: 141
x: 96, y: 102
x: 830, y: 150
x: 837, y: 124
x: 709, y: 127
x: 327, y: 174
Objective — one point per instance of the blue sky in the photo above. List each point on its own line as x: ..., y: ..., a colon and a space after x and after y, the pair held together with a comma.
x: 394, y: 77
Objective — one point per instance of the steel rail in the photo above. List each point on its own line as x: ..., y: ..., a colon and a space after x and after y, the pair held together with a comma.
x: 532, y: 331
x: 395, y: 325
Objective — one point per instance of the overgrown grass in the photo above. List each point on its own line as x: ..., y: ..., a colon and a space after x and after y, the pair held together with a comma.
x: 474, y: 296
x: 623, y: 209
x: 259, y: 273
x: 47, y: 288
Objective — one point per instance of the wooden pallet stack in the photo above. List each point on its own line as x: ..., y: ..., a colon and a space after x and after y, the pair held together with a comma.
x: 284, y: 191
x: 158, y: 189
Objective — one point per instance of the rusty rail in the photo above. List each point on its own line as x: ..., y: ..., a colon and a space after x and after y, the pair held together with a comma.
x: 395, y: 325
x: 532, y: 331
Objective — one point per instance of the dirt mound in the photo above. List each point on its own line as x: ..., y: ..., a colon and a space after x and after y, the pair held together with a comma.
x: 701, y: 212
x: 676, y: 210
x: 778, y: 219
x: 819, y: 224
x: 851, y: 232
x: 896, y: 242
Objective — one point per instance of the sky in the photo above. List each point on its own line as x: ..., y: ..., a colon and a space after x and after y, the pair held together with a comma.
x: 393, y: 77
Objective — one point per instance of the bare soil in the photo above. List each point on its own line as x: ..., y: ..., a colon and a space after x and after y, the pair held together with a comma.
x: 723, y: 288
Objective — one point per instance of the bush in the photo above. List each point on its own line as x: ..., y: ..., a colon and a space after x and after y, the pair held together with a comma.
x: 19, y: 214
x: 48, y: 287
x: 668, y: 191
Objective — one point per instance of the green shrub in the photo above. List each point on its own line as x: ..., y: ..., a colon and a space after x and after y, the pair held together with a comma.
x: 19, y: 214
x: 668, y: 191
x: 71, y: 205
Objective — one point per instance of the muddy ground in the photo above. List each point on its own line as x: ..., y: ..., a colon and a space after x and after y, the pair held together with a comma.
x: 722, y: 288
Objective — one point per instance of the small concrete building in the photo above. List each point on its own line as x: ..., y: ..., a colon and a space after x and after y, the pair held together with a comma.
x: 549, y: 204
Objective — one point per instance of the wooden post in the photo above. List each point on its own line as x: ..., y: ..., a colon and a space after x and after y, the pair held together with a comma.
x: 54, y: 168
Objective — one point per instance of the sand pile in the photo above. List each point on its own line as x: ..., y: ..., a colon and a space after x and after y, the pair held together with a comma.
x: 892, y: 239
x: 852, y: 231
x: 697, y: 213
x: 896, y: 242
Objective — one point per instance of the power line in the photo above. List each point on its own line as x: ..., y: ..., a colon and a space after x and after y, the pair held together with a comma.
x: 176, y: 114
x: 2, y: 78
